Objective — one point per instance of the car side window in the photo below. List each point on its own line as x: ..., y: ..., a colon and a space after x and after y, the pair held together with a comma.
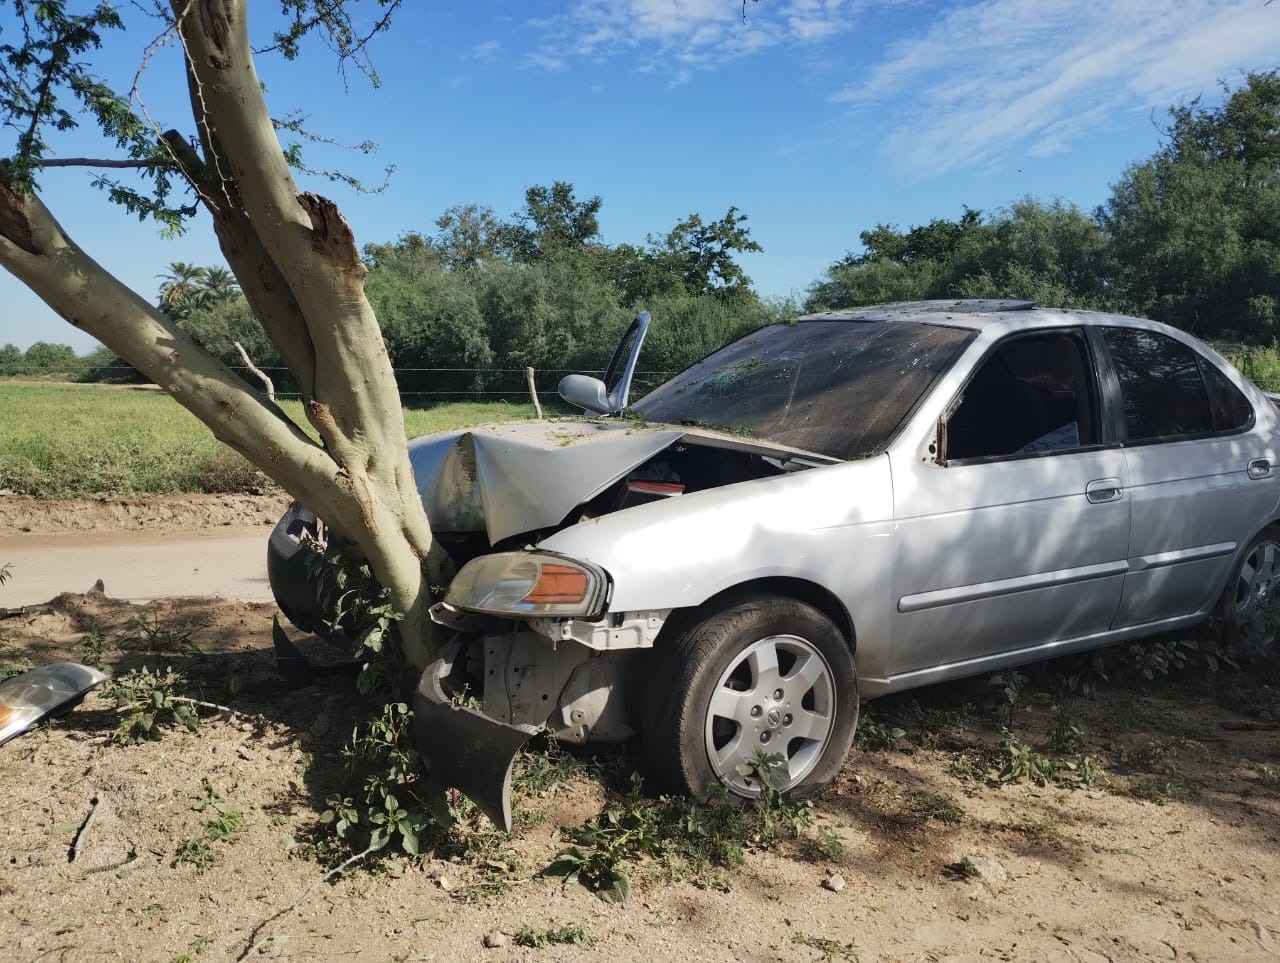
x: 1033, y: 394
x: 1231, y: 410
x: 1161, y: 386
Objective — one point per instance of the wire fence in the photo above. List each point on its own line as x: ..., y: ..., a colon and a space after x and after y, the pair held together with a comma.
x: 1259, y: 363
x: 424, y: 386
x: 446, y: 384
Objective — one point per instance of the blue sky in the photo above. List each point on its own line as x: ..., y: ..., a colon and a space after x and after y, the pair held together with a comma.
x: 817, y: 118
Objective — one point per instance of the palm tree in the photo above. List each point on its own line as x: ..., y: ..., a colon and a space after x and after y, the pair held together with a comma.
x: 220, y: 284
x: 181, y: 287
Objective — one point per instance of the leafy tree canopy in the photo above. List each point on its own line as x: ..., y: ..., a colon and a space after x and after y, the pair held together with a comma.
x: 553, y: 222
x: 1194, y: 230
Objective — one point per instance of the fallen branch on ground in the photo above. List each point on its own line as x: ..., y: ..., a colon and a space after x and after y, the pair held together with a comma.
x: 256, y: 945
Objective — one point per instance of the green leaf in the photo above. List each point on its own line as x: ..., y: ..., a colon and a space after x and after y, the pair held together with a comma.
x: 566, y: 864
x: 409, y: 839
x: 619, y: 891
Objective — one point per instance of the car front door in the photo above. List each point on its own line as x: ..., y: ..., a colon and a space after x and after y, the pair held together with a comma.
x: 1201, y: 475
x: 1016, y: 533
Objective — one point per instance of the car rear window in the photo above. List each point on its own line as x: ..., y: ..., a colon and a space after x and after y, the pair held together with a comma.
x: 1231, y: 410
x: 838, y: 388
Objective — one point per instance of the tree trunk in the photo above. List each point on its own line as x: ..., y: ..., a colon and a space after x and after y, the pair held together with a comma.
x: 298, y: 265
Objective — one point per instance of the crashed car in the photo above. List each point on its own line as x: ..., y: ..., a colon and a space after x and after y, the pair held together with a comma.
x: 823, y: 512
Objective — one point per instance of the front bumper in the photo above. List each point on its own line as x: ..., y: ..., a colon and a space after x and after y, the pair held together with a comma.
x: 461, y: 746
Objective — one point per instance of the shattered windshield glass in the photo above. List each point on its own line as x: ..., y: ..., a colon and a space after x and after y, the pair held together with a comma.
x: 838, y: 388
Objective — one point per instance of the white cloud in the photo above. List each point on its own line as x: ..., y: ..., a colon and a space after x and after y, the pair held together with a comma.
x: 486, y: 52
x: 690, y: 34
x: 540, y: 60
x: 998, y: 77
x: 957, y: 85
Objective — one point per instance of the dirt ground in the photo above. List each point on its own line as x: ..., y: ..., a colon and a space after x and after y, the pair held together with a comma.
x: 140, y: 548
x: 1171, y: 853
x: 21, y: 513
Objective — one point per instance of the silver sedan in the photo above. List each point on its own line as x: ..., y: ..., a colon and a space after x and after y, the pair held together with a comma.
x: 828, y: 511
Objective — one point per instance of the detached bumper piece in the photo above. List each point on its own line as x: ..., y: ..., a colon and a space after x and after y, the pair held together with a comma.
x: 296, y: 668
x: 464, y: 748
x: 32, y: 696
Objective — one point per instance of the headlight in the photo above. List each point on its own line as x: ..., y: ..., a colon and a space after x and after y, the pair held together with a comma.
x: 529, y: 583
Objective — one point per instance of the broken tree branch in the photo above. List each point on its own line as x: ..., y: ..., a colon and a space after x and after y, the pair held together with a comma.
x: 83, y: 831
x: 248, y: 363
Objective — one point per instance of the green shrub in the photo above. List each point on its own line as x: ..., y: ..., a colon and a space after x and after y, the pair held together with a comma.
x: 1261, y: 365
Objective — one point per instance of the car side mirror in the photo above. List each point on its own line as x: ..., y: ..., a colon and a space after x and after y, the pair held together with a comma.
x: 585, y: 392
x: 610, y: 396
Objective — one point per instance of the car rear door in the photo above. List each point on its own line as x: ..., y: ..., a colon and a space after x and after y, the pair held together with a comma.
x: 1016, y: 535
x: 1202, y: 479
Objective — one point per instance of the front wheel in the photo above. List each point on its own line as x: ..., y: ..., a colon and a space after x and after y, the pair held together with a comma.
x: 767, y: 677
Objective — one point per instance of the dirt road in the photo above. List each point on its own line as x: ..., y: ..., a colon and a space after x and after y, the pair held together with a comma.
x: 137, y: 565
x: 172, y: 546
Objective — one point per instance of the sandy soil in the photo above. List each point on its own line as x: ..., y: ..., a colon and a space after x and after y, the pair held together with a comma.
x: 139, y: 548
x: 138, y: 565
x: 90, y: 832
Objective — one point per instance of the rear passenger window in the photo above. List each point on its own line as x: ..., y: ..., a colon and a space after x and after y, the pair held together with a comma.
x: 1163, y: 392
x: 1231, y: 409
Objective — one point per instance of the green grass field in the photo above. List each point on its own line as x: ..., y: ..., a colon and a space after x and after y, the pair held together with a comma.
x: 64, y: 440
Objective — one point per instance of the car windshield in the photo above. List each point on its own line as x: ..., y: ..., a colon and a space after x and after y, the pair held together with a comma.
x: 838, y: 388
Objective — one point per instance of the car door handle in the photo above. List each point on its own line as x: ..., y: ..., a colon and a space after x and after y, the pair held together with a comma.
x: 1103, y: 490
x: 1260, y: 468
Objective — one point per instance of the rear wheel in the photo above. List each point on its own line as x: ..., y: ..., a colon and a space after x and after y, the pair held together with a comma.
x: 1250, y: 606
x: 765, y: 677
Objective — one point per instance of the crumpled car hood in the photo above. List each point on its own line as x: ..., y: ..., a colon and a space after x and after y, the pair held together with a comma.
x: 514, y: 478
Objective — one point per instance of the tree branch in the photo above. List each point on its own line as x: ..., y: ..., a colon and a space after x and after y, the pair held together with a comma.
x: 254, y: 946
x: 34, y: 247
x: 256, y: 371
x: 102, y: 162
x: 260, y: 279
x: 305, y: 237
x: 301, y: 240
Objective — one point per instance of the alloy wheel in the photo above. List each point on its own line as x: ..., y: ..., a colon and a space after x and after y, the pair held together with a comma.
x: 778, y: 697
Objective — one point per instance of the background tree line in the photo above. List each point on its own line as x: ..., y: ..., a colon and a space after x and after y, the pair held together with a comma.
x: 1190, y: 236
x: 484, y: 296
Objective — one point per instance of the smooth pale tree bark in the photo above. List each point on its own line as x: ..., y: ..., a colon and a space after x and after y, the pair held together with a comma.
x: 298, y: 265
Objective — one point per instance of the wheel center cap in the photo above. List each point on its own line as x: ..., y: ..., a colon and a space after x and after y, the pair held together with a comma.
x: 774, y: 717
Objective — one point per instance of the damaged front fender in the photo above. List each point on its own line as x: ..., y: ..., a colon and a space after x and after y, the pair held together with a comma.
x: 461, y: 746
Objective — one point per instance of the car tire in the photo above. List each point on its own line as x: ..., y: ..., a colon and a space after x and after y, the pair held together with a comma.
x: 770, y: 673
x: 1249, y: 609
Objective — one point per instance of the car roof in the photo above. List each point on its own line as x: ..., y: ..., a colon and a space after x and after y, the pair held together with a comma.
x: 976, y: 314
